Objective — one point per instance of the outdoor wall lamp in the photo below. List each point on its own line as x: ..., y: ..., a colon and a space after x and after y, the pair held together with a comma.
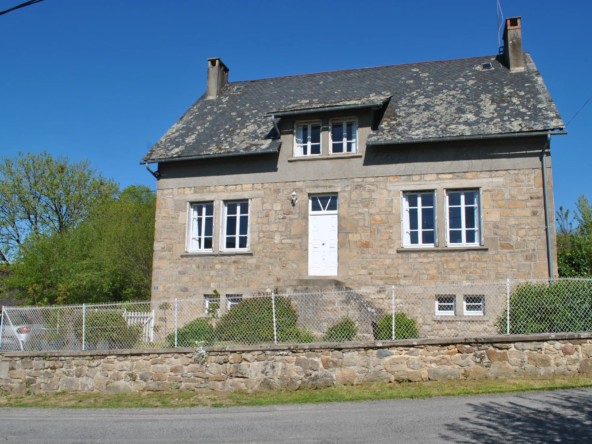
x: 294, y: 198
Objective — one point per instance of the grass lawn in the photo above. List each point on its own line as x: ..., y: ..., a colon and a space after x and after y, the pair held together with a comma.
x: 339, y: 394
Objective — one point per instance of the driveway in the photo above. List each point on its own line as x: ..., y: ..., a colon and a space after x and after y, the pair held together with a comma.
x: 544, y: 417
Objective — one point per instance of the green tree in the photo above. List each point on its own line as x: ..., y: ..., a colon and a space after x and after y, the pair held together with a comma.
x: 105, y: 258
x: 44, y: 195
x: 574, y: 245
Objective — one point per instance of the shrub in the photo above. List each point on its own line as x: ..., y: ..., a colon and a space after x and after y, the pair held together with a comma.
x: 560, y: 306
x: 251, y: 321
x: 405, y: 328
x: 108, y: 327
x: 344, y: 330
x: 297, y: 335
x: 198, y: 330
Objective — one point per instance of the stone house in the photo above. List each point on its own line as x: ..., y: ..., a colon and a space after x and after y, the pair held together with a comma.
x: 421, y: 173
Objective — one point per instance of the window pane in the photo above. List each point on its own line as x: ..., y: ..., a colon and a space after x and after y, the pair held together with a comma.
x: 315, y: 134
x: 470, y: 198
x: 315, y: 204
x: 350, y: 131
x: 413, y: 222
x: 208, y: 243
x: 300, y: 135
x: 427, y: 237
x: 470, y: 217
x: 454, y: 198
x: 471, y: 236
x: 209, y: 209
x: 230, y: 242
x: 414, y: 237
x: 242, y: 242
x: 427, y: 200
x: 315, y: 149
x: 305, y: 134
x: 351, y: 147
x: 332, y: 206
x: 412, y: 199
x: 338, y: 147
x: 231, y: 208
x: 244, y: 225
x: 209, y: 226
x: 454, y: 216
x: 244, y: 207
x: 231, y: 226
x: 337, y: 134
x: 427, y: 218
x: 455, y: 237
x: 199, y: 226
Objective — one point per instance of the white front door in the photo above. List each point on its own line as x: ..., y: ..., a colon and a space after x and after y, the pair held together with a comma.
x: 322, y: 235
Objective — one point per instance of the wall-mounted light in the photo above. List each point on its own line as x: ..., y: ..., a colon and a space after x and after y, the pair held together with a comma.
x: 294, y: 198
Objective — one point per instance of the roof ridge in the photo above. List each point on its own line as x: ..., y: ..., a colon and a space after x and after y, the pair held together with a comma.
x: 360, y: 69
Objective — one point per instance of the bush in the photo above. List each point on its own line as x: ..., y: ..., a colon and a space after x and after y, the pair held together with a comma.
x: 405, y: 328
x: 198, y: 330
x: 108, y: 327
x: 560, y: 306
x: 297, y: 335
x: 251, y: 321
x: 344, y: 330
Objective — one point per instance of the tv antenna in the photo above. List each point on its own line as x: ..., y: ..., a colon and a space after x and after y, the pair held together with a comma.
x: 500, y: 23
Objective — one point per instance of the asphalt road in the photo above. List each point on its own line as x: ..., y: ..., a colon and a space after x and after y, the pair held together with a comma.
x: 544, y: 417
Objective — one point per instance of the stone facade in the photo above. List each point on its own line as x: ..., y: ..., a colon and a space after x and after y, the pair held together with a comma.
x: 370, y: 250
x: 291, y: 368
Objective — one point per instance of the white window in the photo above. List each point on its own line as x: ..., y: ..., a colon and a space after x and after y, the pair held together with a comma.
x: 201, y: 227
x: 233, y: 300
x: 445, y: 304
x: 474, y: 305
x: 344, y: 137
x: 212, y: 304
x: 308, y: 139
x: 419, y: 220
x: 464, y: 218
x: 236, y: 225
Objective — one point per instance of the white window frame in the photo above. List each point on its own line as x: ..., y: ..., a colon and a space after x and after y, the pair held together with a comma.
x: 297, y: 146
x: 445, y: 312
x: 192, y: 223
x: 232, y: 300
x: 473, y: 312
x: 406, y: 220
x: 322, y: 211
x: 343, y: 122
x: 211, y: 298
x: 223, y: 228
x: 478, y: 225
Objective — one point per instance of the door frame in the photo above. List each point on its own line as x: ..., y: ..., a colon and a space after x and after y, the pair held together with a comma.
x: 323, y: 213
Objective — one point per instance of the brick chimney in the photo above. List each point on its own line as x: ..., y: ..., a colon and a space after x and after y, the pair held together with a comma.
x: 513, y: 57
x: 217, y: 77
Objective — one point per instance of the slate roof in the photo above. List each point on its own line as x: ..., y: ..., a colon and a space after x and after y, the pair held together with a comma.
x: 425, y: 101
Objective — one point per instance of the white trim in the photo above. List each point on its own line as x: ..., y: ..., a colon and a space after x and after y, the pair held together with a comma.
x: 406, y: 233
x: 232, y: 300
x: 473, y: 313
x: 322, y: 211
x: 309, y: 124
x: 344, y: 121
x: 223, y: 226
x: 445, y: 312
x: 463, y: 228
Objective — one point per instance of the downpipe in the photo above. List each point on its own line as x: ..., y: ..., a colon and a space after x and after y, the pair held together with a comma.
x: 546, y: 204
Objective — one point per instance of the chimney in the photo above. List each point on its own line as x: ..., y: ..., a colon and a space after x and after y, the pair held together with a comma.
x: 217, y: 77
x: 513, y: 57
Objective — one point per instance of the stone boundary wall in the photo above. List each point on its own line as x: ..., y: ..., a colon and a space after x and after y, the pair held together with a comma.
x: 297, y: 366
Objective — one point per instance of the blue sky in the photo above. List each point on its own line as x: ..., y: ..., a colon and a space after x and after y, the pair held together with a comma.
x: 104, y: 80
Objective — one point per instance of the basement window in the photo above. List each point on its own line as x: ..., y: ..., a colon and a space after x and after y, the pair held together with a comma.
x: 445, y: 304
x: 473, y: 305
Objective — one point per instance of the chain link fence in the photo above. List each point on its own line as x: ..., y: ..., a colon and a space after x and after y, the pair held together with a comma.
x: 331, y: 315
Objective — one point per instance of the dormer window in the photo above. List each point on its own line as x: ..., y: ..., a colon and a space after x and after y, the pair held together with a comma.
x: 344, y: 136
x: 308, y: 139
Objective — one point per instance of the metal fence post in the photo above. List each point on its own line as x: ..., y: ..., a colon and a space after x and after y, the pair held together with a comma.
x: 393, y: 298
x: 83, y: 324
x: 176, y: 317
x: 507, y: 306
x: 1, y: 326
x: 274, y: 317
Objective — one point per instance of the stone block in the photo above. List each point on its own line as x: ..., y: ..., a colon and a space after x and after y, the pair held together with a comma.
x: 568, y: 349
x: 497, y: 356
x: 444, y: 373
x: 587, y: 350
x: 307, y: 364
x: 500, y: 370
x: 396, y: 363
x: 516, y: 358
x: 381, y: 354
x: 160, y: 368
x: 4, y: 369
x: 318, y: 380
x: 235, y: 358
x: 539, y: 359
x: 528, y: 346
x: 411, y: 375
x: 345, y: 376
x: 141, y: 366
x: 157, y: 386
x: 475, y: 372
x: 117, y: 387
x: 462, y: 348
x: 586, y: 366
x: 329, y: 363
x: 69, y: 384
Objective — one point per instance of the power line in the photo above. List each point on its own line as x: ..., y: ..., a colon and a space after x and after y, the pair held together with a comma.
x: 22, y: 5
x: 579, y: 111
